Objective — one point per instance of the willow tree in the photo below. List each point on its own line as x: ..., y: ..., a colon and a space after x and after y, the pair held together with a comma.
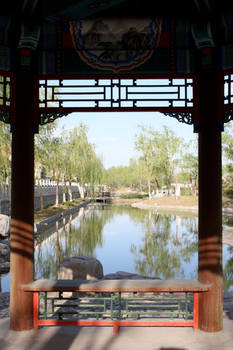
x: 42, y: 146
x: 69, y: 162
x: 146, y: 146
x: 55, y: 161
x: 86, y: 166
x: 159, y: 152
x: 5, y: 154
x: 227, y: 143
x: 5, y: 143
x: 95, y: 172
x: 80, y: 162
x: 189, y: 166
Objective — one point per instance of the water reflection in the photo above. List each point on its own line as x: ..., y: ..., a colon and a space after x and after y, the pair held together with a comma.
x: 128, y: 239
x: 228, y: 271
x: 80, y: 236
x: 163, y: 251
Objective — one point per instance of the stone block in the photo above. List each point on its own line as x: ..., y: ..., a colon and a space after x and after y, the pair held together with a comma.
x: 81, y: 268
x: 4, y: 225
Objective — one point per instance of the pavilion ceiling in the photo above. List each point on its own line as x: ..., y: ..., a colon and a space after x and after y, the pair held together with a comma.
x: 77, y: 9
x: 88, y: 36
x: 98, y: 38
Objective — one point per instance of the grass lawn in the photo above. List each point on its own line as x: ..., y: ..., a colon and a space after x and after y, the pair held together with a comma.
x: 184, y: 201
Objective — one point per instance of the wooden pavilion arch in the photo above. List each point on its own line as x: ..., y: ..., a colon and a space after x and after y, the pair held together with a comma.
x: 185, y: 49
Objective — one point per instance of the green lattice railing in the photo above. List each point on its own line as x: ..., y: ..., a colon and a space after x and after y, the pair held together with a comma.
x: 116, y: 306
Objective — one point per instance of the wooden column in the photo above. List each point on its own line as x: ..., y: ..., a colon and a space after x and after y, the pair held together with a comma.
x: 210, y: 203
x: 22, y: 205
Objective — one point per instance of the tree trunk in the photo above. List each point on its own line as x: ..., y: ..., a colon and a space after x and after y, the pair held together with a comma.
x: 41, y: 194
x: 168, y: 185
x: 157, y: 183
x: 70, y: 192
x: 57, y: 191
x: 39, y: 185
x: 64, y: 192
x: 149, y: 187
x: 140, y: 184
x: 81, y: 191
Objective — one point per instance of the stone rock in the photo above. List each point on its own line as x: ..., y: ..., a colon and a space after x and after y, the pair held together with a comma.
x: 119, y: 275
x: 4, y: 251
x: 4, y: 304
x: 4, y: 258
x: 4, y: 266
x: 81, y: 268
x: 4, y: 225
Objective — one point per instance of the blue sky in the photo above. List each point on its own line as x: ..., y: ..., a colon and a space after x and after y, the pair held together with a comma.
x: 114, y: 133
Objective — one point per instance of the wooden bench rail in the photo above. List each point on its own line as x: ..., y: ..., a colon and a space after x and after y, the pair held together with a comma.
x: 116, y: 286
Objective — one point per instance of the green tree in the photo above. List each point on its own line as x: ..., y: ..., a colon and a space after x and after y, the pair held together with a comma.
x: 5, y: 154
x: 42, y: 146
x: 227, y: 145
x: 81, y: 161
x: 55, y: 161
x: 189, y: 165
x: 159, y: 152
x: 123, y: 176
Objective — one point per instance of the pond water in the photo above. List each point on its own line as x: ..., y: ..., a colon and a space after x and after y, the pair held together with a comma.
x: 126, y: 239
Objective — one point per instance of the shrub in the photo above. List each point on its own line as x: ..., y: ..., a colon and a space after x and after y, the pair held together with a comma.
x: 186, y: 191
x: 228, y: 192
x: 133, y: 195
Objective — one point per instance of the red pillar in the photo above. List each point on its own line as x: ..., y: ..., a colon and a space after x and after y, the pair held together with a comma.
x: 210, y: 203
x: 22, y: 205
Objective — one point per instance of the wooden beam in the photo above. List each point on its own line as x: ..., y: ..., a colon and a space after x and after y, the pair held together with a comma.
x: 116, y: 286
x: 210, y: 203
x: 22, y: 205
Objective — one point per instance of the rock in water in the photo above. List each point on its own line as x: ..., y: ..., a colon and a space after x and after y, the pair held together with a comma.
x: 80, y: 268
x: 4, y: 225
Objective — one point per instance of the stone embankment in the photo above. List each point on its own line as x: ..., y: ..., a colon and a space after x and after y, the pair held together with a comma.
x: 45, y: 224
x: 49, y: 197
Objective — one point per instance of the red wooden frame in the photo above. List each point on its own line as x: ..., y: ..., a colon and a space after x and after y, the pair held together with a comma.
x: 12, y: 99
x: 194, y: 109
x: 115, y: 324
x: 221, y: 97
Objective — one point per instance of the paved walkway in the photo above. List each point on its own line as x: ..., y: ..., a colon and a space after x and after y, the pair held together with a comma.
x: 102, y: 338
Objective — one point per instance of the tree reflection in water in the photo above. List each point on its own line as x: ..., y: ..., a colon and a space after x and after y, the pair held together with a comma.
x: 79, y: 238
x: 228, y: 271
x: 162, y: 251
x: 166, y: 245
